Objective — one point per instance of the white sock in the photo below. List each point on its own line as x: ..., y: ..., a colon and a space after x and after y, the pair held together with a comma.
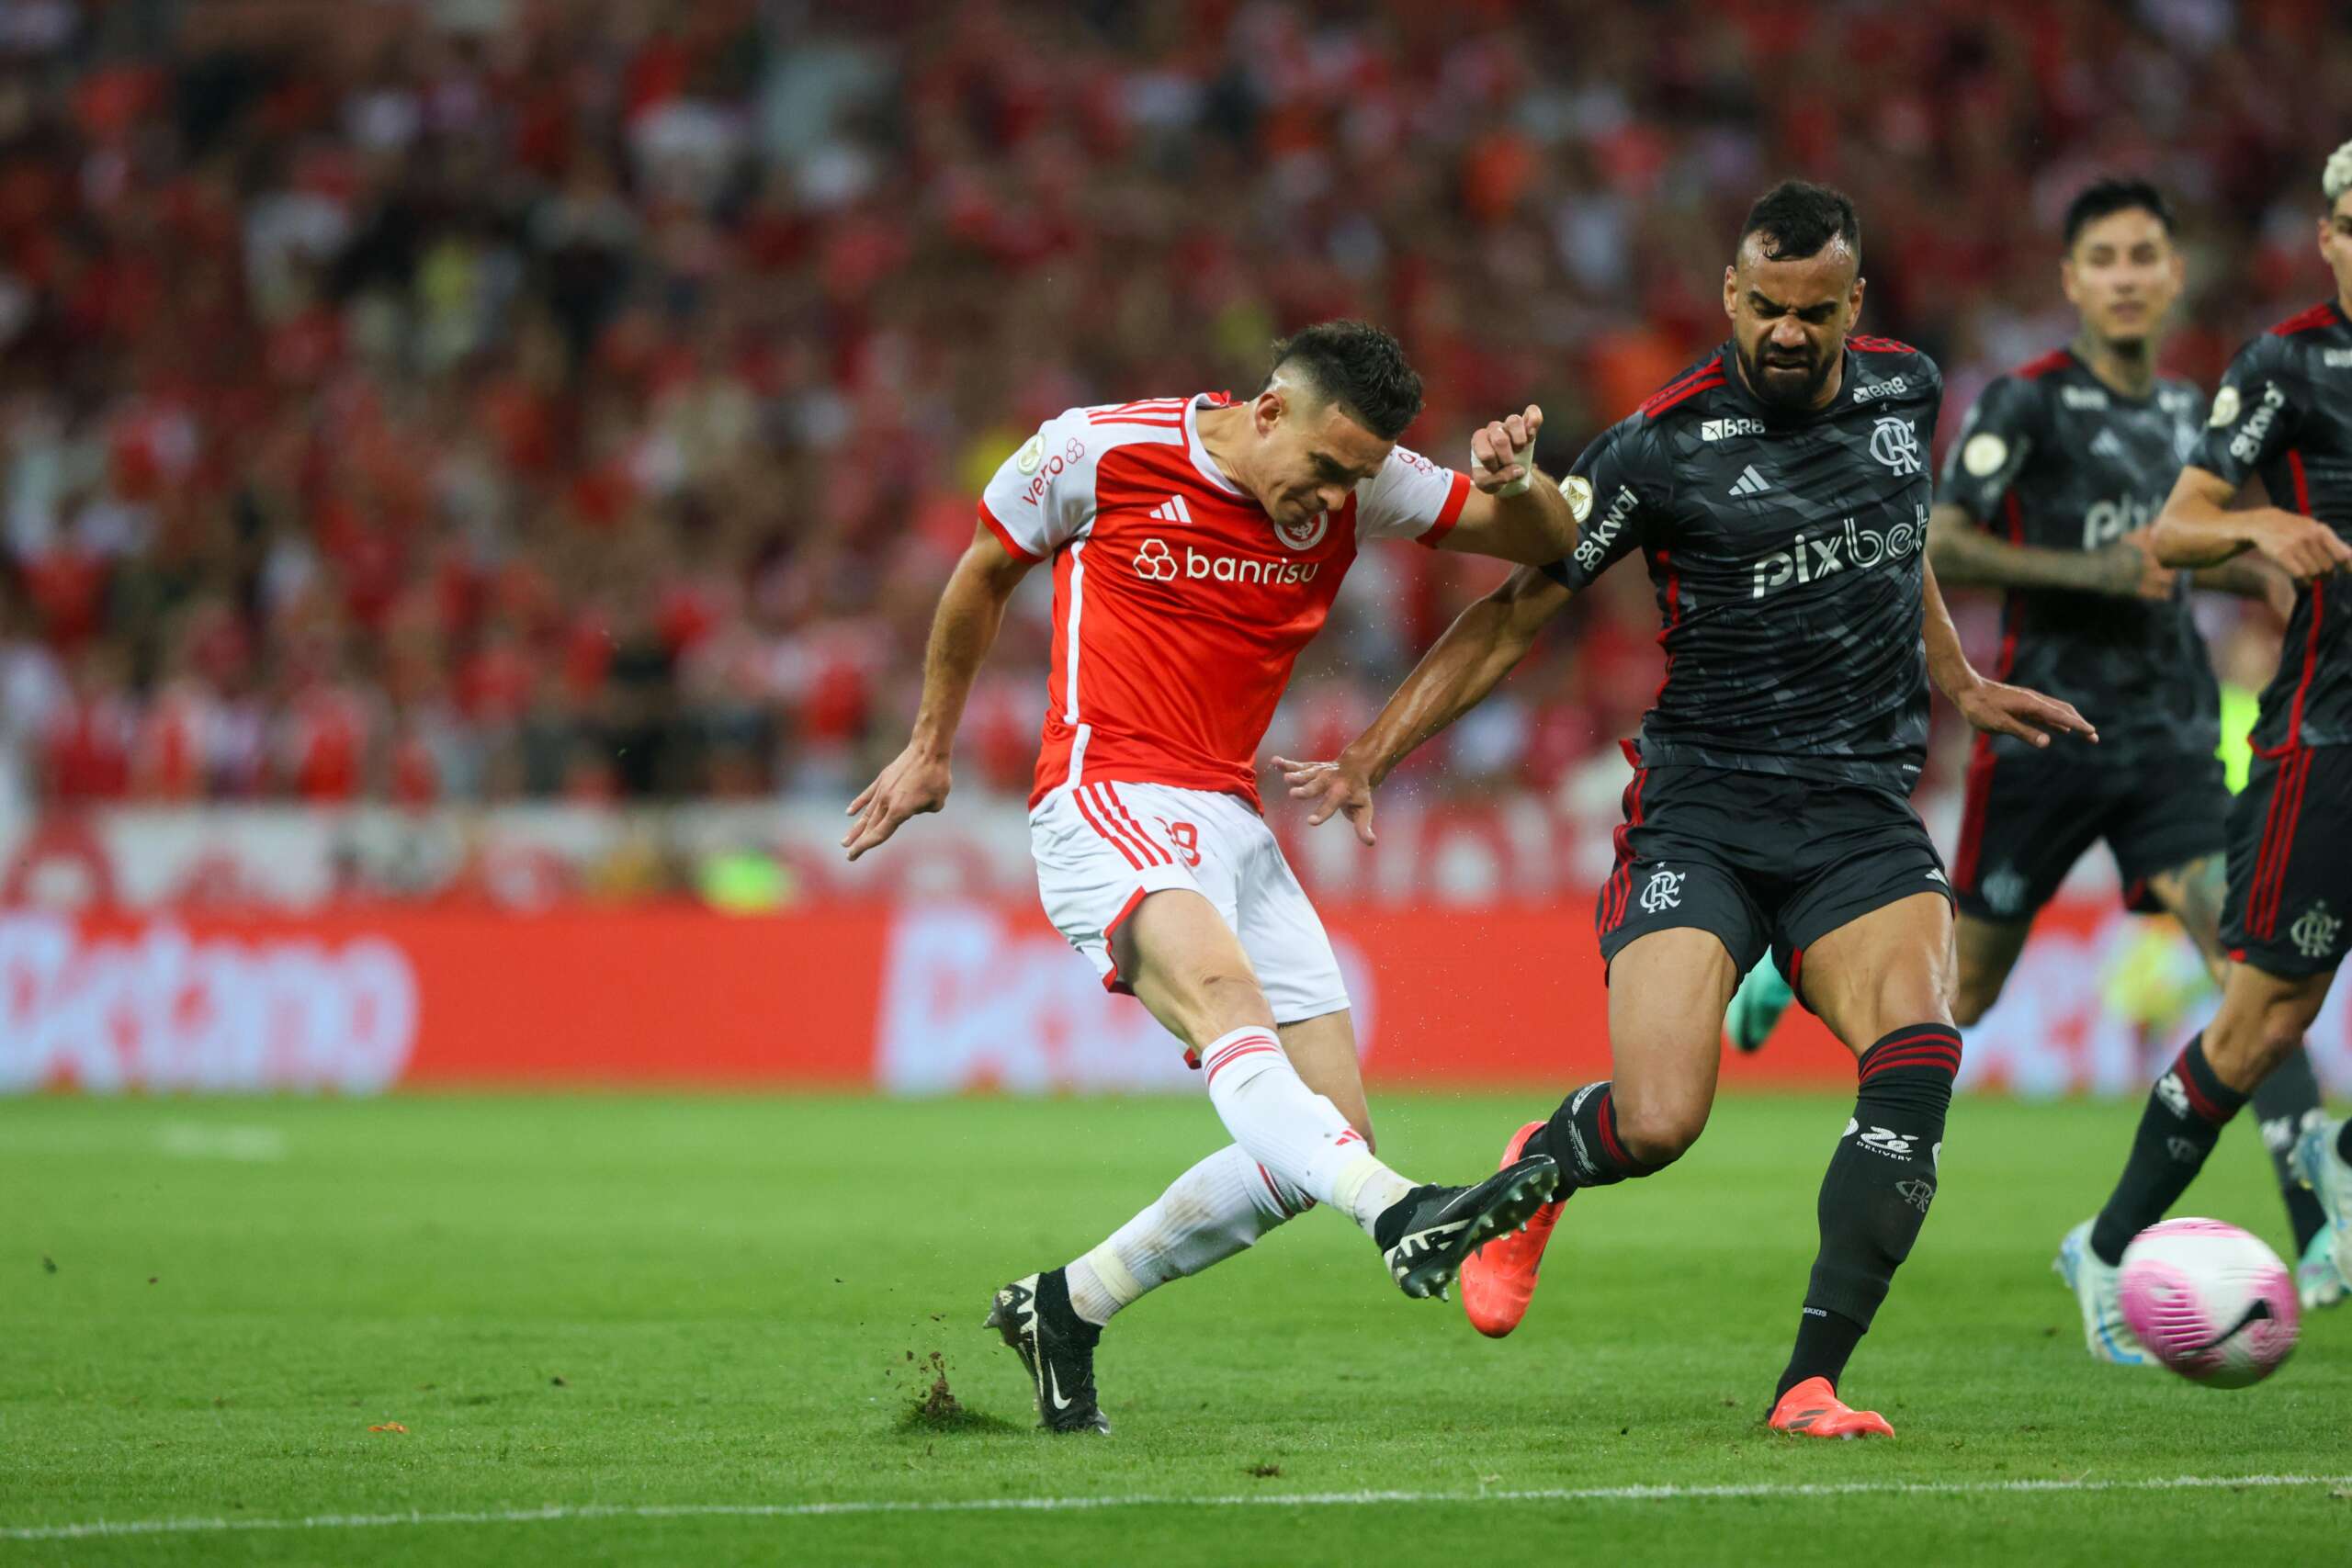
x: 1295, y: 1132
x: 1219, y: 1207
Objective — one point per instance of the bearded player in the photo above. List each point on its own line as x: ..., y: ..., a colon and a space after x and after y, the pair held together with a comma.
x: 1197, y: 544
x: 1780, y: 494
x: 2048, y: 495
x: 2283, y: 416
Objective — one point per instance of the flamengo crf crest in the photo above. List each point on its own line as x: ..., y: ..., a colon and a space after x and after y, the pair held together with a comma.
x: 1896, y: 443
x: 1664, y: 892
x: 2315, y: 930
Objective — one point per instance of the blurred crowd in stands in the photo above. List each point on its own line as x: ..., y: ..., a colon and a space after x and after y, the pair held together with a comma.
x: 480, y: 400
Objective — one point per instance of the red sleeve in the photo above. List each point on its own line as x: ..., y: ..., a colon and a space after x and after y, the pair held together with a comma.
x: 1451, y: 513
x: 1004, y: 536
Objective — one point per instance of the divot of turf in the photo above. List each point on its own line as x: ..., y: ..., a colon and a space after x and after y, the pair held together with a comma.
x: 934, y: 1407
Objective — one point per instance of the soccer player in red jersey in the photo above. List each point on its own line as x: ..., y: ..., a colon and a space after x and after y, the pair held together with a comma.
x: 1197, y: 544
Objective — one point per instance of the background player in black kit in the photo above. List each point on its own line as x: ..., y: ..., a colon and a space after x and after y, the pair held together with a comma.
x: 2283, y: 416
x: 1780, y: 493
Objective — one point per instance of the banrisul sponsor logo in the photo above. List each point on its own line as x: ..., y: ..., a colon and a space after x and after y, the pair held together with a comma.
x: 1817, y: 553
x: 1156, y: 563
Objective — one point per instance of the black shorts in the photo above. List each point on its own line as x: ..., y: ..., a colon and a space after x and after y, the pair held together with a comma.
x: 2029, y: 820
x: 1763, y: 861
x: 2290, y: 908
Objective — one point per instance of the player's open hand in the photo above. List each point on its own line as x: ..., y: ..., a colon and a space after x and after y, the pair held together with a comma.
x: 1502, y: 454
x: 1344, y: 786
x: 2133, y: 571
x: 2304, y: 547
x: 2029, y: 715
x: 914, y: 783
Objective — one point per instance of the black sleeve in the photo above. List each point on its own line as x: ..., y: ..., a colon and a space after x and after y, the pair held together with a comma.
x: 1997, y: 439
x: 1619, y: 487
x: 2257, y: 412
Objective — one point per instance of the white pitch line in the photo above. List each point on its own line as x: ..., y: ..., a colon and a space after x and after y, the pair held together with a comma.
x: 1665, y: 1493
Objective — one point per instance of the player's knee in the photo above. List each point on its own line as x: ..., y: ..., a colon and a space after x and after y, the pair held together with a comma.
x: 1657, y: 1131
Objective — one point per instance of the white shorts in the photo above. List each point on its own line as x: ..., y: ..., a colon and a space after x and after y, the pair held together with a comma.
x: 1100, y: 847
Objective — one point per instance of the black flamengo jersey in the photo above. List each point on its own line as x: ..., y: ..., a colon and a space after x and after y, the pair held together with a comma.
x: 2053, y: 458
x: 2284, y: 415
x: 1785, y: 549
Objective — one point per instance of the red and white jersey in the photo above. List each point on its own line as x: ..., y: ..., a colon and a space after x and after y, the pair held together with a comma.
x: 1179, y: 605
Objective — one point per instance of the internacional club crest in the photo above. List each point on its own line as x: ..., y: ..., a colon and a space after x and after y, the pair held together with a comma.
x: 1303, y: 535
x: 1896, y: 443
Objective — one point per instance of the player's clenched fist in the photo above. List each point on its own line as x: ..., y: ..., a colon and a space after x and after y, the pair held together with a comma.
x: 1502, y: 456
x: 916, y: 782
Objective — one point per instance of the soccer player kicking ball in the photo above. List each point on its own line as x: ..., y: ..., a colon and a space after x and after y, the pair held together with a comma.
x: 1780, y: 492
x: 1197, y: 544
x: 2059, y: 469
x: 2283, y: 416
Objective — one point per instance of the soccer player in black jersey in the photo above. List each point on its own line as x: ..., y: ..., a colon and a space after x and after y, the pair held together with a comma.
x: 2050, y: 494
x: 1780, y: 493
x: 2283, y: 415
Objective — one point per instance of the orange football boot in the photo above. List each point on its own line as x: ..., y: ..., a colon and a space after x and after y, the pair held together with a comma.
x: 1499, y: 1280
x: 1812, y: 1409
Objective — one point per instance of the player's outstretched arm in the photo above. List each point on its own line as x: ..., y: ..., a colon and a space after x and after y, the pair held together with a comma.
x: 1514, y: 513
x: 1989, y: 705
x: 1476, y: 651
x: 1965, y: 555
x: 962, y: 631
x: 2249, y: 576
x: 2197, y: 528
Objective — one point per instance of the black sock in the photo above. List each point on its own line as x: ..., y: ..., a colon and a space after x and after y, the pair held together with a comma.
x: 2186, y: 1113
x: 1875, y: 1194
x: 1582, y: 1137
x: 2281, y: 1102
x: 1825, y: 1340
x: 1054, y: 1305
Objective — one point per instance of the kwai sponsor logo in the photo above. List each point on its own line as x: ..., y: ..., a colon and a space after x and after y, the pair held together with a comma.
x: 159, y: 1010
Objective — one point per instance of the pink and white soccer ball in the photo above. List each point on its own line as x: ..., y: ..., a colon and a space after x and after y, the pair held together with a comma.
x: 2208, y: 1301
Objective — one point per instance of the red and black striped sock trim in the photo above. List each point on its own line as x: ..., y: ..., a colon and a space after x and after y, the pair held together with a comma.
x: 2210, y: 1099
x: 1932, y: 1047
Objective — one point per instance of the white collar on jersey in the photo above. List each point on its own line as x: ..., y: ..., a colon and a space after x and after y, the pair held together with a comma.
x: 1200, y: 458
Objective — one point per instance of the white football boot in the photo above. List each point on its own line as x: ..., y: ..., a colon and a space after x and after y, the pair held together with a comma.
x: 2315, y: 1159
x: 2094, y: 1284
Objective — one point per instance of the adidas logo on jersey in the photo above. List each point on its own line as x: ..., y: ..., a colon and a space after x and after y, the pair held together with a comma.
x: 1172, y: 510
x: 1750, y: 482
x: 2105, y: 444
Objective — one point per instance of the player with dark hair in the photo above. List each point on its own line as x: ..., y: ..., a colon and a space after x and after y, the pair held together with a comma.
x: 1197, y: 545
x: 1780, y: 492
x: 2283, y: 416
x: 2049, y: 494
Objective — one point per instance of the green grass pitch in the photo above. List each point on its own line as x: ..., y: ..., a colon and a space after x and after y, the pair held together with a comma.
x: 648, y: 1308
